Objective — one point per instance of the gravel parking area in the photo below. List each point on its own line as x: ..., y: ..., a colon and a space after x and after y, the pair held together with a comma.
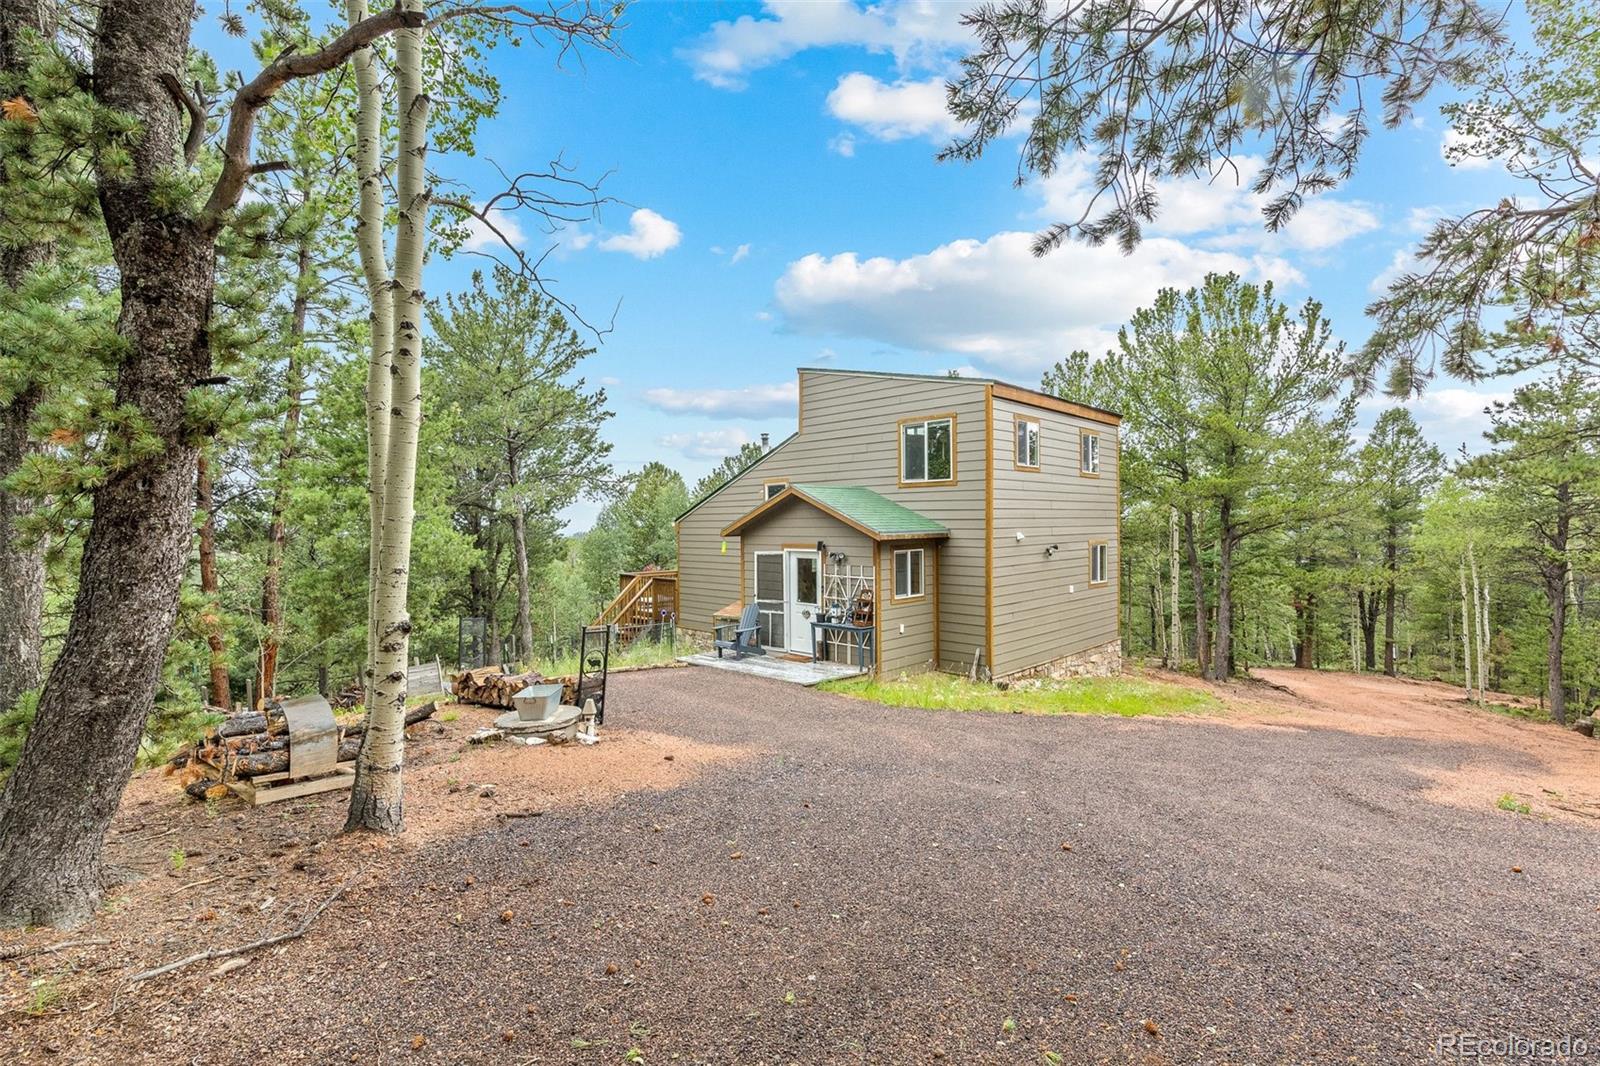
x: 893, y: 886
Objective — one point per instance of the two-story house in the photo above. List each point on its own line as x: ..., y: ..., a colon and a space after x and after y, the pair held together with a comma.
x: 980, y: 520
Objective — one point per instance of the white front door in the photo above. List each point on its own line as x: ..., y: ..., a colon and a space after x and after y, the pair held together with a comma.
x: 802, y: 593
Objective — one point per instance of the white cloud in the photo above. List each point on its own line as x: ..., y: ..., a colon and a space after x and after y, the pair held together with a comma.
x: 1322, y: 223
x: 1462, y: 151
x: 1223, y: 210
x: 1421, y: 220
x: 480, y: 236
x: 1403, y: 262
x: 892, y: 112
x: 649, y: 235
x: 844, y: 144
x: 918, y: 33
x: 993, y: 300
x: 739, y: 254
x: 750, y: 401
x: 707, y: 444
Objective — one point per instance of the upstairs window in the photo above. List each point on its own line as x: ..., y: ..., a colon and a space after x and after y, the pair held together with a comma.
x: 908, y: 574
x: 1099, y: 552
x: 775, y: 487
x: 1089, y: 453
x: 927, y: 450
x: 1027, y: 443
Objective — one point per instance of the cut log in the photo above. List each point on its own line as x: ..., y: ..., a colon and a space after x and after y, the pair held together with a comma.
x: 489, y: 686
x: 254, y: 754
x: 416, y: 714
x: 249, y: 722
x: 277, y: 762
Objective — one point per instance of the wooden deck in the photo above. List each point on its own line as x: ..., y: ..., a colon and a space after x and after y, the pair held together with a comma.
x: 775, y: 667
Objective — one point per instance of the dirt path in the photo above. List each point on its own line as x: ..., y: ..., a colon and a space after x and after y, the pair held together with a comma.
x: 1555, y: 771
x: 812, y: 879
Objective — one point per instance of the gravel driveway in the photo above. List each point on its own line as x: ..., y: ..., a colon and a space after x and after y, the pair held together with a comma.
x: 876, y: 885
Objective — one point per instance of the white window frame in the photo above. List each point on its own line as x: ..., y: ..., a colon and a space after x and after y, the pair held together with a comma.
x: 758, y: 599
x: 1088, y: 453
x: 920, y: 573
x: 1026, y: 437
x: 772, y: 488
x: 1100, y: 549
x: 926, y: 423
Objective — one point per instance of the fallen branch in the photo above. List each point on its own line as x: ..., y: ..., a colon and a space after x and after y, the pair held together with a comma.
x: 254, y: 945
x: 19, y: 951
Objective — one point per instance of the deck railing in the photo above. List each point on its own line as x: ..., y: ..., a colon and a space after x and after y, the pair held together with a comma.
x: 645, y: 598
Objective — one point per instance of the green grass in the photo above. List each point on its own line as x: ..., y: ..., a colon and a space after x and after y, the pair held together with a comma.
x: 1527, y: 714
x: 1510, y: 803
x: 639, y: 653
x: 1126, y: 697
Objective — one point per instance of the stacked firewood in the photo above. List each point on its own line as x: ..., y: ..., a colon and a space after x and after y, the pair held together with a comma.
x: 489, y: 686
x: 252, y: 743
x: 352, y: 695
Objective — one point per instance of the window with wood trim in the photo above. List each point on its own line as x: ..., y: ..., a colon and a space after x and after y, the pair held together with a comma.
x: 1027, y: 443
x: 775, y: 487
x: 1099, y: 559
x: 1088, y: 453
x: 928, y: 450
x: 908, y: 574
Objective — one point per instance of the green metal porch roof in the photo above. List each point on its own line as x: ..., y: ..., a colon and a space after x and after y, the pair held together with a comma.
x: 872, y: 513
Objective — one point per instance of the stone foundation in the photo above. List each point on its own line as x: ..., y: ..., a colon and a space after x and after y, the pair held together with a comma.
x: 1102, y: 661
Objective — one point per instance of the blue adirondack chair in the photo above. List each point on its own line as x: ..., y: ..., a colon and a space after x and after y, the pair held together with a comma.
x: 743, y: 641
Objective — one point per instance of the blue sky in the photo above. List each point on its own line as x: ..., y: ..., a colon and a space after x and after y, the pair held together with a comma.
x: 780, y: 206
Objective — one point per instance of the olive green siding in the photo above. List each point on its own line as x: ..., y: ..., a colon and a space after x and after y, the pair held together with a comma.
x: 849, y: 435
x: 1044, y: 607
x: 911, y: 651
x: 798, y: 524
x: 708, y: 579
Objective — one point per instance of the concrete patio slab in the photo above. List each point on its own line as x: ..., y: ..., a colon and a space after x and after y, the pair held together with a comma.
x: 775, y: 667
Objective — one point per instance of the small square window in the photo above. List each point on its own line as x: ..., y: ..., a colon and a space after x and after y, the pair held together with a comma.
x: 908, y: 574
x: 1099, y: 555
x: 775, y: 487
x: 927, y: 450
x: 1089, y: 452
x: 1027, y: 441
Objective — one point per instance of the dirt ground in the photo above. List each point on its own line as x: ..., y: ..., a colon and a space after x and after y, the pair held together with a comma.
x: 1555, y: 771
x: 746, y: 871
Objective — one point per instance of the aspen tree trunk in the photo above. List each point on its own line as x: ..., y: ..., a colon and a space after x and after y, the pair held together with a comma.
x: 376, y: 802
x: 277, y: 530
x: 1466, y: 630
x: 1176, y: 641
x: 220, y: 694
x: 1355, y: 643
x: 1391, y: 577
x: 1477, y: 615
x: 375, y: 269
x: 1483, y: 645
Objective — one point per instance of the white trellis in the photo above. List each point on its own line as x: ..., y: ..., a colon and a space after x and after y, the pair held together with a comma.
x: 842, y: 585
